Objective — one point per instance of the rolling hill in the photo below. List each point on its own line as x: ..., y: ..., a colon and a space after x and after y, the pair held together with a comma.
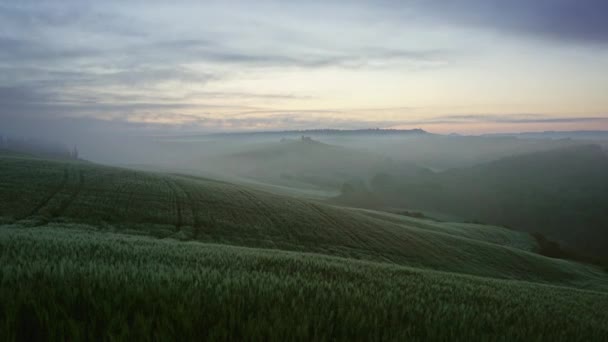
x: 75, y: 284
x: 83, y: 231
x: 39, y: 192
x: 305, y: 163
x: 561, y: 193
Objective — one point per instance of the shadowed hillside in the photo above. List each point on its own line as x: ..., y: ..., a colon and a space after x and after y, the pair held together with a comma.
x: 85, y: 247
x: 301, y: 162
x: 46, y: 193
x: 130, y: 285
x: 561, y: 193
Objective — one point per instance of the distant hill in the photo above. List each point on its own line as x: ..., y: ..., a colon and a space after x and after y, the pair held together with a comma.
x: 329, y: 132
x: 437, y: 152
x: 37, y: 147
x: 576, y: 135
x: 561, y: 193
x: 305, y: 162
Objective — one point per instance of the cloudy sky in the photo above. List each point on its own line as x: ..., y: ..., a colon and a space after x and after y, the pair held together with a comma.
x: 468, y: 66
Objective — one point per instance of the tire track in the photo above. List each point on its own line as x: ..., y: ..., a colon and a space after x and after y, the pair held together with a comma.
x: 130, y: 190
x: 178, y: 205
x: 193, y: 209
x: 123, y: 189
x: 279, y: 226
x: 357, y: 242
x: 263, y: 208
x: 362, y: 243
x: 64, y: 206
x: 47, y: 199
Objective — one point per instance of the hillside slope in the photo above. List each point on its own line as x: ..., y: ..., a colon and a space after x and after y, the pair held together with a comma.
x: 561, y: 193
x: 49, y: 193
x: 304, y: 163
x: 87, y: 285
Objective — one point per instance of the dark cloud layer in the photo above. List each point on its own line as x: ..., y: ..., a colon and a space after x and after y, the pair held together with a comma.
x: 506, y: 118
x: 556, y: 20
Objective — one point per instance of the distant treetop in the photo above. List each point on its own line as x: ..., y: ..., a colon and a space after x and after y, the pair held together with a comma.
x: 309, y: 132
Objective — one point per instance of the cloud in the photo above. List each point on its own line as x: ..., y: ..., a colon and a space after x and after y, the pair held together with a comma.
x: 146, y: 119
x: 82, y: 59
x: 50, y: 100
x: 38, y: 16
x: 142, y: 62
x: 109, y: 35
x: 151, y: 112
x: 457, y: 119
x: 566, y: 21
x: 21, y: 51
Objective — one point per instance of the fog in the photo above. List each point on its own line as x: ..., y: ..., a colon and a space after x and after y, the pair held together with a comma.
x: 247, y: 154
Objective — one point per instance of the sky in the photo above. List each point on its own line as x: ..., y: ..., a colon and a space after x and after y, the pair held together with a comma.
x: 468, y: 66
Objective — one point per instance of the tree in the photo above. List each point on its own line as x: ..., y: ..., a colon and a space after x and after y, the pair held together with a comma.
x: 75, y: 153
x: 347, y: 188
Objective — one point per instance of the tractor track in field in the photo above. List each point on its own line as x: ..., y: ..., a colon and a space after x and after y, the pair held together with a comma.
x: 128, y: 204
x: 264, y: 208
x: 130, y: 194
x: 64, y: 206
x: 195, y: 215
x: 327, y: 217
x: 124, y: 188
x: 364, y: 244
x: 47, y: 199
x: 178, y: 206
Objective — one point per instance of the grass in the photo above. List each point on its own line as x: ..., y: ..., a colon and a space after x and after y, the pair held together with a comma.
x: 561, y: 193
x: 38, y: 192
x: 60, y: 284
x: 492, y: 234
x: 89, y: 252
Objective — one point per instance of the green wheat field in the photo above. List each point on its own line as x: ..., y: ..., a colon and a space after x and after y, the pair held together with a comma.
x: 91, y: 252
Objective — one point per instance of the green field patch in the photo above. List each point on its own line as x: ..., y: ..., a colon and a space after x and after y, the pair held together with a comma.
x: 70, y: 284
